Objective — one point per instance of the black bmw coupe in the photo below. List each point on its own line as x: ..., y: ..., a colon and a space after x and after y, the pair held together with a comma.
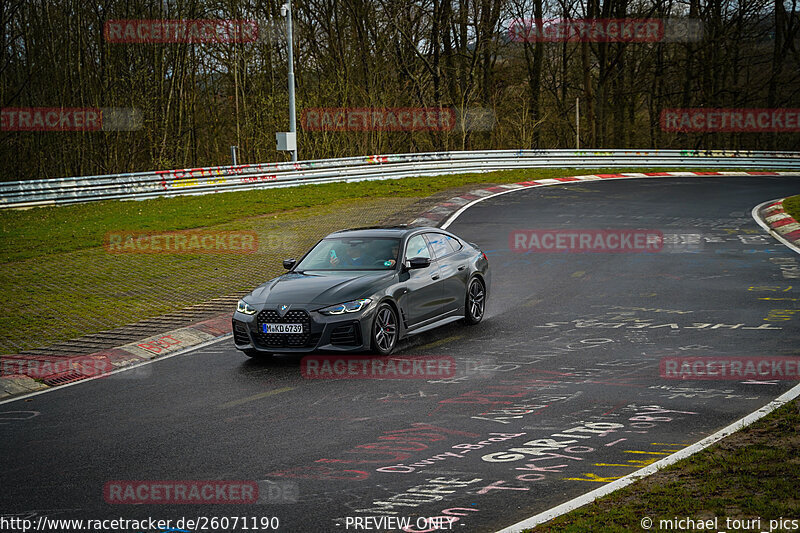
x: 363, y: 290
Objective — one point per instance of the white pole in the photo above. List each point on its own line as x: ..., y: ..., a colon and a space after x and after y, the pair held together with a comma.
x: 292, y: 124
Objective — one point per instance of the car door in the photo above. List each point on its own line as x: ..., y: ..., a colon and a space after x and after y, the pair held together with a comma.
x: 453, y: 270
x: 424, y: 295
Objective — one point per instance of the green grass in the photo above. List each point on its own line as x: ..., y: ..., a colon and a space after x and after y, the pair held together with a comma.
x: 751, y: 474
x: 792, y: 206
x: 42, y: 231
x: 66, y: 294
x: 59, y: 282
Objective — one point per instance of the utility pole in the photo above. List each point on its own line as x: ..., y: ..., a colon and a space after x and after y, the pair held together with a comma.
x: 288, y: 141
x: 577, y: 122
x: 292, y: 123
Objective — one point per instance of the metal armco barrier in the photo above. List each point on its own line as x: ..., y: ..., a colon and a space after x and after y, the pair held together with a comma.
x: 143, y: 185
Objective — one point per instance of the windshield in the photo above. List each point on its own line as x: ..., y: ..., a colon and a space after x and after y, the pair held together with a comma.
x: 347, y: 253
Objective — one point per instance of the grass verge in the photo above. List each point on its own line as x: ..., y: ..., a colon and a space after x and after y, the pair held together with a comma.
x: 59, y: 282
x: 38, y: 232
x: 792, y: 206
x: 752, y: 474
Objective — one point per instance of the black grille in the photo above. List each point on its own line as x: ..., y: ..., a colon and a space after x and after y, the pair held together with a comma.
x: 346, y: 335
x: 240, y: 333
x: 284, y: 340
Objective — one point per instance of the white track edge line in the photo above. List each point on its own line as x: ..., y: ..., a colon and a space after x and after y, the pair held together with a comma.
x: 624, y: 176
x: 188, y: 349
x: 455, y: 215
x: 591, y: 496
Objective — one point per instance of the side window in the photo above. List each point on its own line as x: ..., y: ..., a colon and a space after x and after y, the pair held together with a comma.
x: 417, y: 247
x: 439, y: 244
x: 454, y: 243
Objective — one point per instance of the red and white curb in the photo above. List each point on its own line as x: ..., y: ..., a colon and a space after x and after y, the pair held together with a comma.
x: 54, y: 371
x: 773, y: 218
x: 449, y: 210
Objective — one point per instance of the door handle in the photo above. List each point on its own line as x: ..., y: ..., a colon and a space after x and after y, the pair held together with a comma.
x: 462, y: 267
x: 435, y: 276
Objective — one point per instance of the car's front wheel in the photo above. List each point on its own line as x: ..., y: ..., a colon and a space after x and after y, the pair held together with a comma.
x: 384, y: 330
x: 475, y: 303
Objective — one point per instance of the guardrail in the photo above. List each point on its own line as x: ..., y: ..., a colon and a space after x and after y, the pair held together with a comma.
x: 143, y: 185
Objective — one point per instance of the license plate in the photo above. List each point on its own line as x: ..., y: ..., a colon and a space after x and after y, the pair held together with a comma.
x: 282, y: 328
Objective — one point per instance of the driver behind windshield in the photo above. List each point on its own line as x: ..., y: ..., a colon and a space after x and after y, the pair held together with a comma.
x: 349, y: 255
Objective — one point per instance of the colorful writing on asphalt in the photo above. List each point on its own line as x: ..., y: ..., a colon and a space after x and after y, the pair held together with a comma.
x: 460, y: 452
x: 390, y: 447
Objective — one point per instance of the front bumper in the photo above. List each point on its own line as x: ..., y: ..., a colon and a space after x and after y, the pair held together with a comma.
x: 339, y: 333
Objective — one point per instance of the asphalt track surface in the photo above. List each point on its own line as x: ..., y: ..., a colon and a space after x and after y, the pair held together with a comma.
x: 572, y: 345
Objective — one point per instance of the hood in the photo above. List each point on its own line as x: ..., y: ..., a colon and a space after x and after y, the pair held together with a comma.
x: 320, y: 287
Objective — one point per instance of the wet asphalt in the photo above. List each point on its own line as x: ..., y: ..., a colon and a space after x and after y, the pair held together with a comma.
x: 562, y: 388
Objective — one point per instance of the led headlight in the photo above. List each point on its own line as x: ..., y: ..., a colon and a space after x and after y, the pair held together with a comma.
x: 246, y: 308
x: 347, y: 307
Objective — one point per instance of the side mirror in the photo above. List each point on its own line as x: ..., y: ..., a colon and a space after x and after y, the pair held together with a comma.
x: 419, y: 262
x: 288, y: 264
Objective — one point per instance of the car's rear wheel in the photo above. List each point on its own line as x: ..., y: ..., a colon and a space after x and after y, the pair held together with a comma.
x: 475, y: 303
x: 384, y: 330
